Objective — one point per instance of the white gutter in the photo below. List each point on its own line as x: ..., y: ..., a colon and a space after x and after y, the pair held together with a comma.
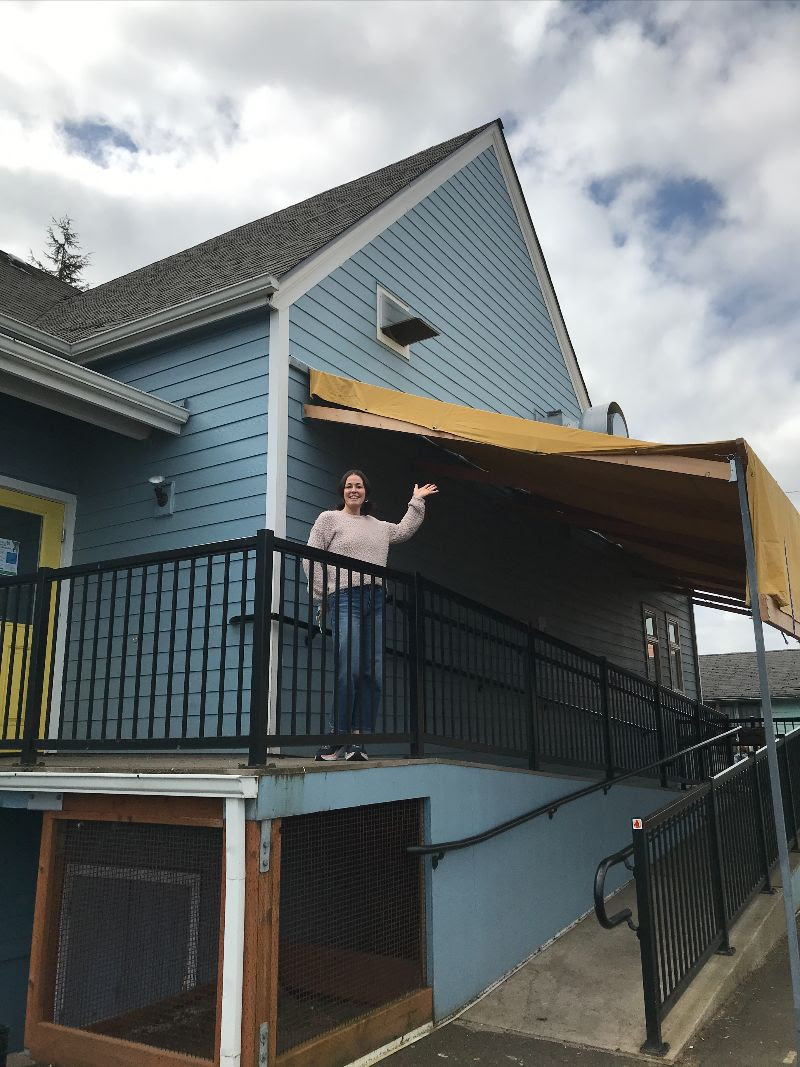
x: 230, y: 1033
x: 59, y: 384
x: 224, y: 786
x: 251, y: 294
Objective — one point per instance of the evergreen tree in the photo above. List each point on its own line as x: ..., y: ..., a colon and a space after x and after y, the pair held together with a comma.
x: 63, y: 256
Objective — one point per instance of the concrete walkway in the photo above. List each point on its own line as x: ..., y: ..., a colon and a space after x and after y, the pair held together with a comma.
x: 581, y: 999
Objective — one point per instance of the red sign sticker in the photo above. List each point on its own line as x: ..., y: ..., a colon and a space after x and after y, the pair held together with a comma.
x: 637, y: 824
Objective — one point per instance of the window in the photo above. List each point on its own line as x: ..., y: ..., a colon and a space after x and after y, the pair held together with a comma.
x: 675, y: 656
x: 398, y: 327
x: 651, y: 649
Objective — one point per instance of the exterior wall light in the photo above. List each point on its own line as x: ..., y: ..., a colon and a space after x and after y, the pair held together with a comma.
x: 164, y: 493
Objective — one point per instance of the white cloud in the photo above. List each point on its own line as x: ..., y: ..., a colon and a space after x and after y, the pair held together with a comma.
x: 240, y: 108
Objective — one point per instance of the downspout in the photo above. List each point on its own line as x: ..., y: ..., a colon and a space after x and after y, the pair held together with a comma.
x: 230, y: 1038
x: 738, y: 475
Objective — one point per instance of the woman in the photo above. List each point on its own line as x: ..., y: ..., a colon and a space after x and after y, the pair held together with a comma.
x: 356, y: 607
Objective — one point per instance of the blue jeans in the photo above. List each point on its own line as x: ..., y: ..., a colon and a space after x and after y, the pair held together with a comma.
x: 357, y: 617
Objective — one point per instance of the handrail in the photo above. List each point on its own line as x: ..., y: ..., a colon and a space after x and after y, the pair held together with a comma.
x: 439, y: 850
x: 608, y: 922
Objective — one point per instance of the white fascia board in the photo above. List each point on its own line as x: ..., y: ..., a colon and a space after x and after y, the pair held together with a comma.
x: 540, y: 267
x: 23, y: 332
x: 224, y: 786
x: 249, y: 295
x: 312, y: 270
x: 58, y: 383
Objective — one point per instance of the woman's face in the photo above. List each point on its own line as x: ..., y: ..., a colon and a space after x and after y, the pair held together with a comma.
x: 354, y: 493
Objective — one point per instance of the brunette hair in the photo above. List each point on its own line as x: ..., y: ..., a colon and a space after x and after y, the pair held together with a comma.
x: 366, y: 507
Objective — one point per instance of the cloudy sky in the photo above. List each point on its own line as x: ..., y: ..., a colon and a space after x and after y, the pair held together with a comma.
x: 657, y: 144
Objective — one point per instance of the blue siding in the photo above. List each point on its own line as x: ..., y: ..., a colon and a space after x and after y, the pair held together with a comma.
x: 459, y: 259
x: 218, y: 461
x: 492, y: 906
x: 568, y: 582
x: 20, y: 832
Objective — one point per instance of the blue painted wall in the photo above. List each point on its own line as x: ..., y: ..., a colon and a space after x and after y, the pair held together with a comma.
x: 570, y: 583
x: 218, y: 461
x: 20, y: 832
x: 459, y: 259
x: 491, y: 906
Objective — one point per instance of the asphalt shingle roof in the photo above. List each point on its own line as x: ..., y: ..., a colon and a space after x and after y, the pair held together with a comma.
x: 272, y: 245
x: 734, y: 675
x: 27, y: 292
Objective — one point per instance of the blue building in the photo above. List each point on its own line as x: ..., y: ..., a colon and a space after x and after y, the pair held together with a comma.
x: 161, y: 420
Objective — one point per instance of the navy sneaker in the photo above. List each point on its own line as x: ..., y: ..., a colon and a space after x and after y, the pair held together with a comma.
x: 331, y: 752
x: 356, y: 752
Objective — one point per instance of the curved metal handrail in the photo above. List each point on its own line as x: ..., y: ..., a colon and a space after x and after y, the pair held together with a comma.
x: 608, y: 922
x: 441, y: 848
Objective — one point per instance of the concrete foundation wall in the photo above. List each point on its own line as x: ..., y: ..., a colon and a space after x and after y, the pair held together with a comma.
x: 493, y: 905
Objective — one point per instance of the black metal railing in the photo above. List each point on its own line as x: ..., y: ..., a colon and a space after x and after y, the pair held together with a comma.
x: 226, y: 646
x: 697, y: 865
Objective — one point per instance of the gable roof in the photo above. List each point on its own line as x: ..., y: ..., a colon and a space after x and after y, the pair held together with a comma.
x: 27, y: 292
x: 272, y: 245
x: 734, y: 675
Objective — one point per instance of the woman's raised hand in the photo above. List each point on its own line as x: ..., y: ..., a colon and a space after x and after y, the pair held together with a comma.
x: 421, y: 491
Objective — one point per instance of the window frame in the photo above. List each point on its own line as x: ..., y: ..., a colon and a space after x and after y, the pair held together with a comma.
x: 655, y: 641
x: 384, y: 339
x: 675, y: 655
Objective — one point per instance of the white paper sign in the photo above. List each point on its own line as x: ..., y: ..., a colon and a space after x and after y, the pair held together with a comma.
x: 9, y: 556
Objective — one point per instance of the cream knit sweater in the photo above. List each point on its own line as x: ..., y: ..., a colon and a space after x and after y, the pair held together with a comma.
x: 361, y: 537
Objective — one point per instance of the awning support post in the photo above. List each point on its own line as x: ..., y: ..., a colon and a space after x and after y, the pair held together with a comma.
x: 772, y: 748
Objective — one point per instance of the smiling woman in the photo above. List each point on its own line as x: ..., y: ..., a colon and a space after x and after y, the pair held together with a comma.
x: 355, y: 603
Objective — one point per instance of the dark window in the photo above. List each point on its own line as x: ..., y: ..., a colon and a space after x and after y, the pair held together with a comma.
x: 675, y: 655
x: 651, y: 649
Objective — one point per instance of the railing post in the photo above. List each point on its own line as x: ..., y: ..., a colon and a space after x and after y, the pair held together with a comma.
x: 718, y: 872
x: 262, y: 627
x: 532, y: 700
x: 698, y: 733
x: 661, y: 741
x: 762, y: 825
x: 647, y: 948
x: 605, y: 704
x: 790, y: 790
x: 416, y: 664
x: 36, y: 666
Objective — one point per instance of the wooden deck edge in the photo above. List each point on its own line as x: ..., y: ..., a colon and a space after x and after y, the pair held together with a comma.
x: 56, y: 1044
x: 347, y: 1043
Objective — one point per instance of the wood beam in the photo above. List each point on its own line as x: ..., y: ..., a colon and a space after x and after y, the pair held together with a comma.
x: 348, y: 417
x: 697, y: 468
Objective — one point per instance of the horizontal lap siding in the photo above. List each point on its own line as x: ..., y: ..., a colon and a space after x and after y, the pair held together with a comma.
x: 19, y: 856
x: 571, y: 583
x: 218, y: 462
x: 459, y: 259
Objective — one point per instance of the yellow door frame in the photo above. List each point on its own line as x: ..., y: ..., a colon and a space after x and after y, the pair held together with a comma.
x: 57, y: 512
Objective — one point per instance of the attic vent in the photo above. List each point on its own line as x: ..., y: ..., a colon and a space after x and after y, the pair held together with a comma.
x: 398, y: 326
x: 18, y: 263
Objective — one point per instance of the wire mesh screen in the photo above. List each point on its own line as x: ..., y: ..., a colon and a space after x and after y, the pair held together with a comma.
x: 351, y: 917
x: 138, y: 933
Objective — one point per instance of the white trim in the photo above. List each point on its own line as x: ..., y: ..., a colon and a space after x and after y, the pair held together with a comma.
x: 540, y: 267
x: 278, y: 421
x: 21, y: 331
x: 224, y: 786
x: 58, y: 384
x: 393, y: 1046
x: 230, y: 1029
x: 318, y: 266
x: 401, y: 350
x: 251, y: 294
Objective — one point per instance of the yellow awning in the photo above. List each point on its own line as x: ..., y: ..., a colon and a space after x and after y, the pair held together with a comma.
x: 673, y: 505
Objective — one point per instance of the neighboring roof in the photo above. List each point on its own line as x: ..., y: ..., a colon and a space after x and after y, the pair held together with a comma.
x: 272, y: 245
x: 27, y: 292
x: 734, y: 675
